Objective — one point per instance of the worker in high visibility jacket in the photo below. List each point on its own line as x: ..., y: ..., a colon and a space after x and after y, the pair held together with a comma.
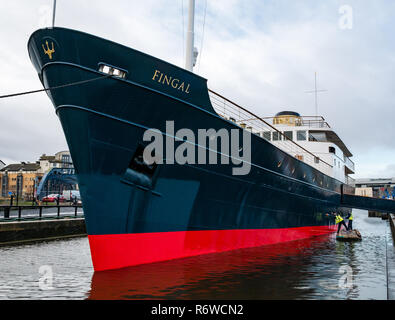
x: 350, y: 218
x: 340, y: 221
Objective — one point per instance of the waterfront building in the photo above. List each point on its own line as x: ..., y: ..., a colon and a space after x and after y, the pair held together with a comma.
x: 378, y: 188
x: 20, y: 178
x: 2, y: 164
x: 23, y: 178
x: 61, y: 159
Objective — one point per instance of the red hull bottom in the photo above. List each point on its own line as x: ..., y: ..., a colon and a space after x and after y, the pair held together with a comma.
x: 114, y: 251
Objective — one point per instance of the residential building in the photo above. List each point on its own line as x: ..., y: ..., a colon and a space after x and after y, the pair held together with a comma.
x: 61, y: 159
x: 23, y: 178
x: 20, y: 178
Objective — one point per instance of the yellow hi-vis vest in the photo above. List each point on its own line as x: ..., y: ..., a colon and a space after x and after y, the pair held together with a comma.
x: 338, y: 219
x: 350, y: 217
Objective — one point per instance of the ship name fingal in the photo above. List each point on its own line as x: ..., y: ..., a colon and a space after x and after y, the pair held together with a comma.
x: 170, y: 81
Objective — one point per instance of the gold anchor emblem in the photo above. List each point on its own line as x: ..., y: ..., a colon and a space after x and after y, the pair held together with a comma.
x: 48, y: 51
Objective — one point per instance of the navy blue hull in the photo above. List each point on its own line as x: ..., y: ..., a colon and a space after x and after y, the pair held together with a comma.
x: 104, y: 122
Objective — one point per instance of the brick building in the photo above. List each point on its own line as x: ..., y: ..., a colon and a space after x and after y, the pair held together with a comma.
x: 21, y: 179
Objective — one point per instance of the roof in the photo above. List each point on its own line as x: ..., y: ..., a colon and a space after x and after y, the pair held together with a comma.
x: 288, y: 113
x: 374, y: 181
x: 21, y: 166
x: 49, y: 158
x: 331, y: 136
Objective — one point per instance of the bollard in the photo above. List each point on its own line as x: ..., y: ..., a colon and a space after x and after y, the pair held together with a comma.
x: 58, y: 211
x: 40, y: 212
x: 19, y: 212
x: 6, y: 212
x: 75, y: 211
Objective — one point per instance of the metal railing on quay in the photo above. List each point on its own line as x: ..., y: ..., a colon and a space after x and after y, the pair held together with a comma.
x: 37, y: 212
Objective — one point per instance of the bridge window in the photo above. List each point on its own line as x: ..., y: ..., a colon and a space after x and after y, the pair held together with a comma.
x: 317, y: 136
x: 332, y: 150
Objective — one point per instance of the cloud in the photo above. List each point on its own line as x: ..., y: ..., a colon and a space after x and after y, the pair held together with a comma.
x: 262, y: 54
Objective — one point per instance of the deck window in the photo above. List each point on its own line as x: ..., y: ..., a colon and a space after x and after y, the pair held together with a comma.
x: 332, y: 150
x: 266, y: 135
x: 288, y: 135
x: 301, y: 135
x: 276, y: 136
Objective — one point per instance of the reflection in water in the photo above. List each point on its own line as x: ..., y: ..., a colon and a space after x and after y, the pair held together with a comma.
x: 226, y: 275
x: 316, y: 268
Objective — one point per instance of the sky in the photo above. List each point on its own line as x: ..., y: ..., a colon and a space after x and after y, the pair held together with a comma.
x: 261, y: 54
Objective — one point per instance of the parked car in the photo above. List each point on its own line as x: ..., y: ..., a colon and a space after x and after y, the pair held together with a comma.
x: 53, y: 197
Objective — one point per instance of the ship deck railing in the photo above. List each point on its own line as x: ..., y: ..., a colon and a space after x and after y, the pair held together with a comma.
x: 247, y: 120
x: 316, y: 122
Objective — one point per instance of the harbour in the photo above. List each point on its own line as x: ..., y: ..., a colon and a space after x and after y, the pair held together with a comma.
x: 134, y: 167
x: 313, y: 269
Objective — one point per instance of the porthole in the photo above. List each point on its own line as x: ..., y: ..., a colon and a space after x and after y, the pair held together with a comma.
x: 279, y: 164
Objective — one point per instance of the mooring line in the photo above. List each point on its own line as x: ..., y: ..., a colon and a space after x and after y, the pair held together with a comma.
x: 56, y: 87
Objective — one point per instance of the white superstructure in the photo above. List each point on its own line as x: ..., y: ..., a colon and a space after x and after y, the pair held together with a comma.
x: 316, y: 136
x: 309, y: 139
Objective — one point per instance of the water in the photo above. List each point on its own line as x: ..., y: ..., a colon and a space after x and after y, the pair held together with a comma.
x: 317, y: 268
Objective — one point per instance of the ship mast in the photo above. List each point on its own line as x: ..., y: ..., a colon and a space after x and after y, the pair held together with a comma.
x: 53, y: 13
x: 190, y: 53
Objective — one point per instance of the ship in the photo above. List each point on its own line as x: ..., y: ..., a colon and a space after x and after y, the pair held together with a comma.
x: 107, y: 96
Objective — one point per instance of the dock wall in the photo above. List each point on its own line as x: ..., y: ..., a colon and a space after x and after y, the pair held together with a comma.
x: 36, y: 230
